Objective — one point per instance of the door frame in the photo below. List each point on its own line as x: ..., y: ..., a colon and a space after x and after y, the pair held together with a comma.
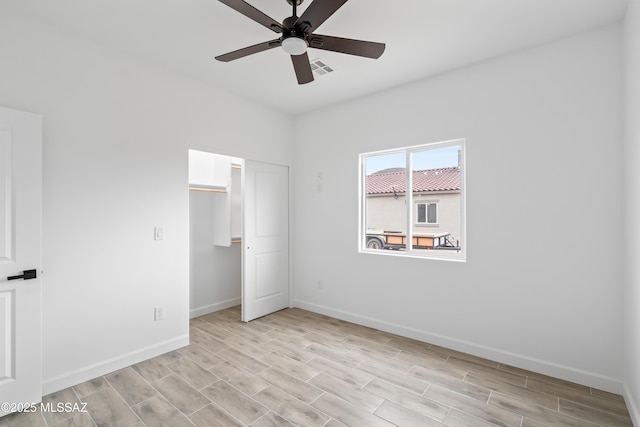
x: 289, y: 209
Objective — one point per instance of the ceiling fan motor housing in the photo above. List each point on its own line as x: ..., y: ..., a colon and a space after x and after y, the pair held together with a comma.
x: 294, y: 37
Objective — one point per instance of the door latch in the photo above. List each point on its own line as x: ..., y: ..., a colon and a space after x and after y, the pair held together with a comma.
x: 26, y: 275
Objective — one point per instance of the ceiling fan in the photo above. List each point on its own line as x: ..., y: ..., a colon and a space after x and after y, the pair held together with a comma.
x: 298, y: 35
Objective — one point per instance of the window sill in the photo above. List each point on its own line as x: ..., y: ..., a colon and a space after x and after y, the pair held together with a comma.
x: 432, y: 255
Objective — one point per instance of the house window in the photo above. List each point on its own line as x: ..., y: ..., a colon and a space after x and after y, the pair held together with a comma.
x: 427, y: 213
x: 434, y: 208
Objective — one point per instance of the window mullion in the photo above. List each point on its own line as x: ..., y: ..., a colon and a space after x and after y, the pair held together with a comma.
x: 362, y: 206
x: 409, y: 203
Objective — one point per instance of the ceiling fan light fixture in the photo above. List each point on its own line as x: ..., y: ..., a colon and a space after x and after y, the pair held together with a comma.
x: 294, y: 46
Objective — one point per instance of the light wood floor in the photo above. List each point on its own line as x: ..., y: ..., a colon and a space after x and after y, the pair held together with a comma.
x: 299, y: 368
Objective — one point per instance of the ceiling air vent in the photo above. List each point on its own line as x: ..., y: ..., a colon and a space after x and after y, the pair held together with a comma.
x: 320, y: 68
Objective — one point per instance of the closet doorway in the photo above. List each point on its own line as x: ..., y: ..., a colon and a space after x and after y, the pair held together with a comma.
x: 239, y: 235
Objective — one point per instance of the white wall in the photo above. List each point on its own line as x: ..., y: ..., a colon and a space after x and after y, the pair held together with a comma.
x: 116, y: 134
x: 543, y: 130
x: 632, y: 212
x: 216, y: 271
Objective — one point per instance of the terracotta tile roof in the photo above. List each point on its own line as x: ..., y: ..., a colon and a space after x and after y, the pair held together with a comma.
x: 443, y: 179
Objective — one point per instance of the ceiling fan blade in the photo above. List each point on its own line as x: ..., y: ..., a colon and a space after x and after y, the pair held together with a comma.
x: 241, y: 53
x: 318, y: 12
x: 251, y: 12
x: 348, y: 46
x: 303, y: 68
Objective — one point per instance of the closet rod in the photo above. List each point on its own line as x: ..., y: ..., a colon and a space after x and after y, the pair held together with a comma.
x: 209, y: 190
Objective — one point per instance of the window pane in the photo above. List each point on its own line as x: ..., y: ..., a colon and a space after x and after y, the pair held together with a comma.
x: 422, y: 213
x: 385, y: 184
x: 435, y: 175
x: 431, y: 217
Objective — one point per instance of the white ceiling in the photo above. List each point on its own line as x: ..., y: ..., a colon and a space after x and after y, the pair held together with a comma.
x: 423, y: 38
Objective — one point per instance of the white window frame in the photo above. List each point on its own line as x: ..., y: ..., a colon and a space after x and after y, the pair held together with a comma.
x: 459, y: 256
x: 426, y: 223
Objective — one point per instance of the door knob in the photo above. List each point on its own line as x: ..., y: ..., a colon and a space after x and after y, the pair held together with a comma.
x: 26, y: 275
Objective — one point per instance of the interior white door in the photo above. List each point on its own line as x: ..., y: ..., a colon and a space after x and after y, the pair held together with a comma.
x: 265, y: 239
x: 20, y: 259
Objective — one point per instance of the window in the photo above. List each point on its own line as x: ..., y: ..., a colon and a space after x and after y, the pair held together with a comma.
x: 427, y: 213
x: 434, y: 207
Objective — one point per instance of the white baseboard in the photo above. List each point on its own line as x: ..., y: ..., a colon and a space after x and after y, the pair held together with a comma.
x: 633, y: 409
x: 212, y: 308
x: 566, y: 373
x: 81, y: 375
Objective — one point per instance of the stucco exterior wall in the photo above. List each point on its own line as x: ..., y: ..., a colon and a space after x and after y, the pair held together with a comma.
x: 387, y: 213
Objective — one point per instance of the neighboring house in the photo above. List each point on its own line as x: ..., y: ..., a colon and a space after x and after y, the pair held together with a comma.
x: 436, y: 200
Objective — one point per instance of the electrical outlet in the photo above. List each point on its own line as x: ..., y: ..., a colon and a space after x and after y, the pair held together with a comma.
x: 320, y: 285
x: 158, y: 313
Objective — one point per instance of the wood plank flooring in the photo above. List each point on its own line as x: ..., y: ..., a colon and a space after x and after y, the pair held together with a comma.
x: 299, y: 368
